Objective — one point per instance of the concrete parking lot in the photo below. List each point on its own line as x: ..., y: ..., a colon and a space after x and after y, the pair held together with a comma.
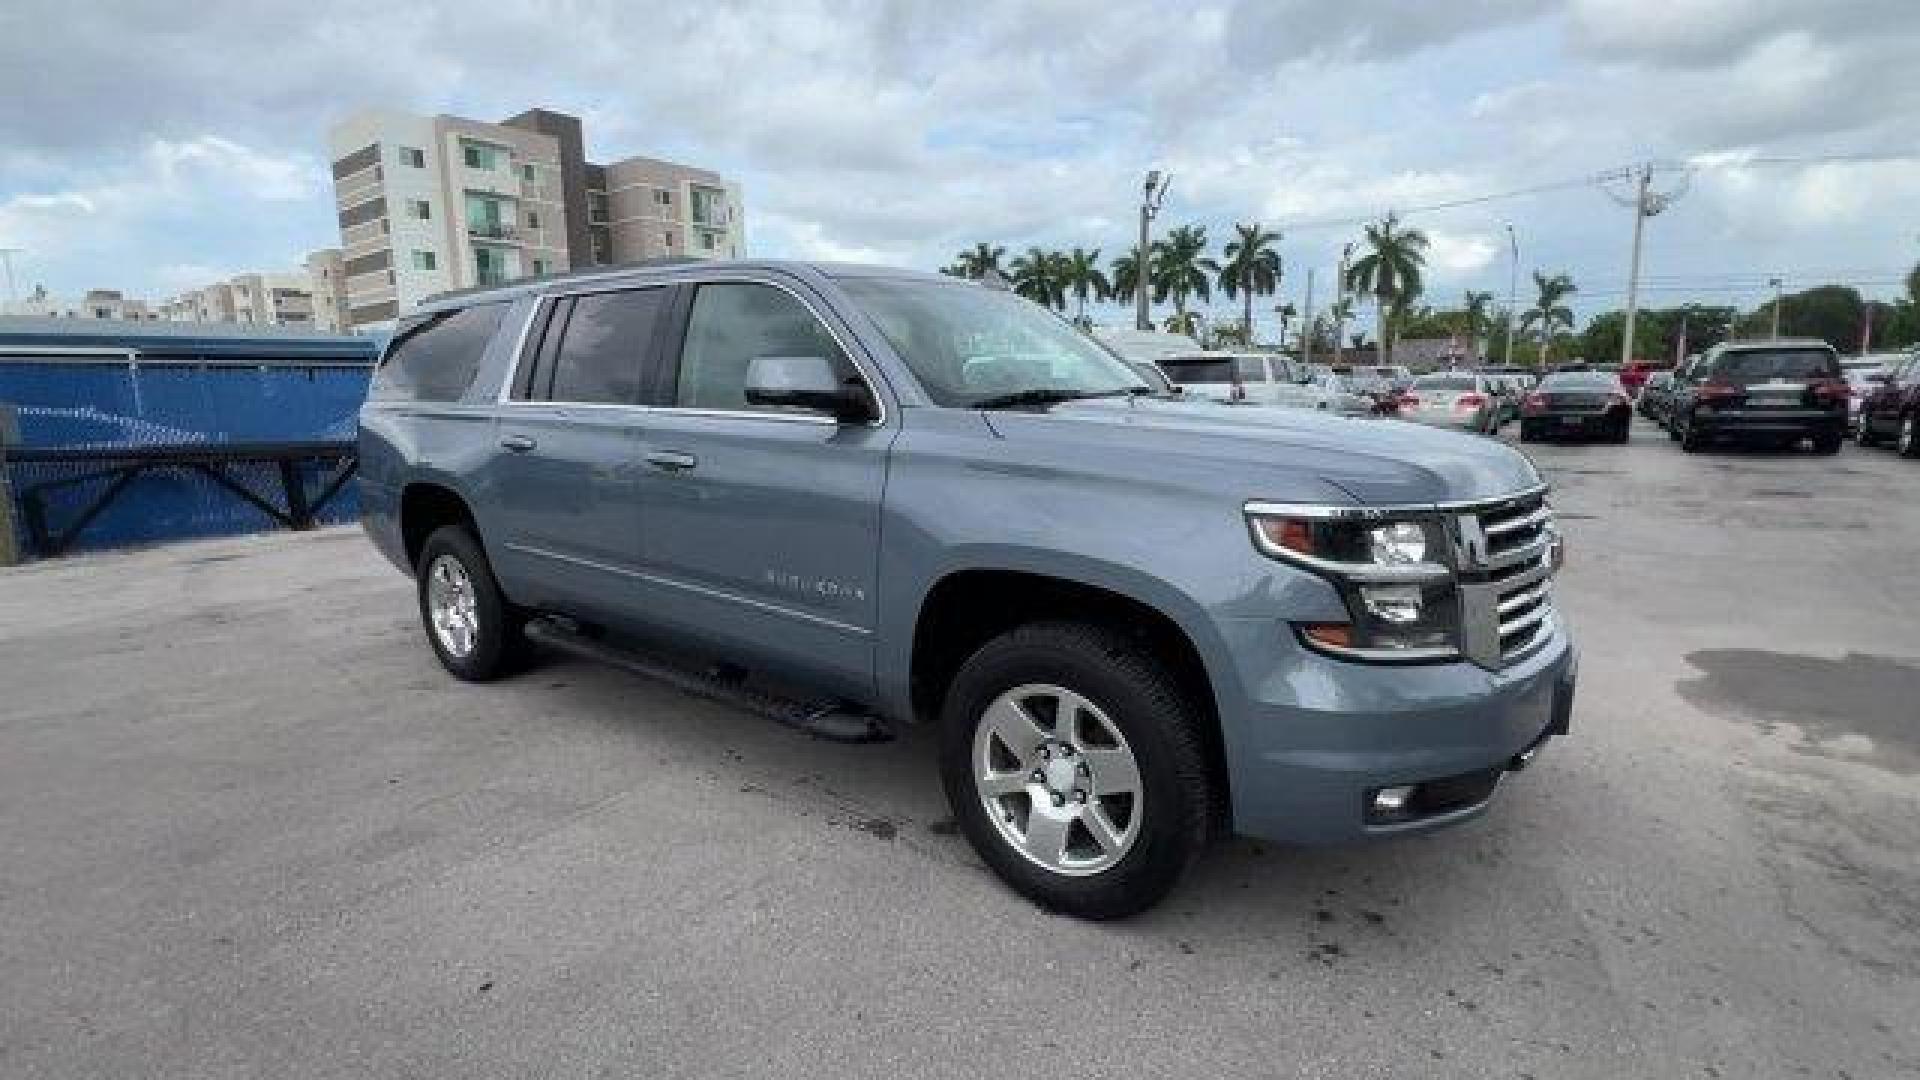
x: 251, y: 829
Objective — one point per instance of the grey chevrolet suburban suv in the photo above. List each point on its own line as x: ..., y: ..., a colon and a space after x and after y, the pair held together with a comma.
x: 1136, y: 621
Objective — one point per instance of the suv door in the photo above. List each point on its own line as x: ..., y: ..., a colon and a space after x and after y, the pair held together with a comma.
x: 763, y: 524
x: 565, y: 482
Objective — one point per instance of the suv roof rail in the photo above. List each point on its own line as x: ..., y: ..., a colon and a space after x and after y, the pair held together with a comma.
x: 549, y: 279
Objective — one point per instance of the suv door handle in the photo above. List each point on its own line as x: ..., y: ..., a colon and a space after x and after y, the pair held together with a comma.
x: 519, y: 444
x: 671, y: 460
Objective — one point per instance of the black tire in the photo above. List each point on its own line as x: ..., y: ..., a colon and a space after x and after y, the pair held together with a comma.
x: 1624, y: 432
x: 1828, y: 444
x: 1864, y: 434
x: 1908, y: 441
x: 1690, y: 439
x: 1161, y: 724
x: 498, y: 644
x: 1673, y: 428
x: 1528, y: 432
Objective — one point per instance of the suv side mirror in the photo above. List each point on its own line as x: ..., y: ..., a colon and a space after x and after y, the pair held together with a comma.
x: 806, y: 382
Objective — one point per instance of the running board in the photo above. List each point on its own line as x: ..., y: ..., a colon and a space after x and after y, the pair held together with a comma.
x: 825, y: 719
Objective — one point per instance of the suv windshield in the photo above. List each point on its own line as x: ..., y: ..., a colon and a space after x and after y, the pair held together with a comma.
x: 1749, y: 366
x: 968, y: 345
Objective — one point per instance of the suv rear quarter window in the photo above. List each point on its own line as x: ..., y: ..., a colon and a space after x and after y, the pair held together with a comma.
x: 434, y: 358
x: 606, y: 353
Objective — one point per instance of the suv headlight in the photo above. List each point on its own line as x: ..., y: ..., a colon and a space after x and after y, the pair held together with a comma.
x: 1390, y: 571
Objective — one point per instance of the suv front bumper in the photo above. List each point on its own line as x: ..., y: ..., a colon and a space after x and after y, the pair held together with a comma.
x: 1320, y: 738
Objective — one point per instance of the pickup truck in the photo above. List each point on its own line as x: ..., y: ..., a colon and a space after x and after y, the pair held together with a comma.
x: 1136, y: 622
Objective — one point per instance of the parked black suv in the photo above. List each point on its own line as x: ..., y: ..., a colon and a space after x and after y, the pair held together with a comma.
x: 1775, y: 392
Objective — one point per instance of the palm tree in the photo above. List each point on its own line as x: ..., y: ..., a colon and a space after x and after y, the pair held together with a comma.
x: 1252, y: 267
x: 1123, y: 276
x: 1036, y: 276
x: 1475, y: 309
x: 1337, y: 315
x: 1548, y: 310
x: 1390, y: 272
x: 976, y: 261
x: 1180, y: 268
x: 1080, y: 274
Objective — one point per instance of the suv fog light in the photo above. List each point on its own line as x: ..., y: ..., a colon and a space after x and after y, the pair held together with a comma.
x: 1392, y: 800
x: 1395, y: 604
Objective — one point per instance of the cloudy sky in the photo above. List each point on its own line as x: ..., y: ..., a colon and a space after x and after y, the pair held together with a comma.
x: 151, y: 147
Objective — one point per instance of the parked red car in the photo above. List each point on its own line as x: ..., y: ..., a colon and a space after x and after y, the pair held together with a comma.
x: 1634, y: 375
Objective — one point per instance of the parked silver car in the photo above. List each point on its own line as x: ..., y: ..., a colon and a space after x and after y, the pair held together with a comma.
x: 1252, y: 378
x: 1453, y: 399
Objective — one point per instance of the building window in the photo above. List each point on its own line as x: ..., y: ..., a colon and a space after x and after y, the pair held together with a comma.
x: 478, y: 156
x: 706, y: 240
x: 707, y: 207
x: 667, y: 239
x: 414, y: 156
x: 533, y: 220
x: 489, y: 266
x: 423, y: 260
x: 663, y: 196
x: 527, y: 173
x: 539, y: 267
x: 419, y: 208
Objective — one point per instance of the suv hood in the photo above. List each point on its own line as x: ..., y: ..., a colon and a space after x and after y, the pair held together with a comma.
x: 1270, y: 452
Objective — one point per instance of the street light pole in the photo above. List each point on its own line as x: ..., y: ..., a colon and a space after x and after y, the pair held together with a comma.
x: 1645, y: 204
x: 1775, y: 282
x: 1340, y: 305
x: 1306, y: 327
x: 1150, y: 200
x: 1513, y: 289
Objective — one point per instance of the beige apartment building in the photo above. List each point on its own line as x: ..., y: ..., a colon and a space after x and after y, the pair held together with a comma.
x: 432, y: 203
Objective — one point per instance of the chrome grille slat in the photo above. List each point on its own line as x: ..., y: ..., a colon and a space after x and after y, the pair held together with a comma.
x: 1506, y: 563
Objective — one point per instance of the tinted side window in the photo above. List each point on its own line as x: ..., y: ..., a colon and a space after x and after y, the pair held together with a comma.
x: 730, y: 325
x: 434, y: 359
x: 606, y: 351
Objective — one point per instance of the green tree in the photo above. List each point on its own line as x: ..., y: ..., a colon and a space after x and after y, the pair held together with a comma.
x: 1080, y: 274
x: 1829, y: 312
x: 1179, y: 268
x: 1183, y: 322
x: 977, y: 260
x: 1123, y: 276
x: 1037, y: 276
x: 1475, y: 310
x: 1252, y: 268
x: 1389, y: 272
x: 1548, y: 312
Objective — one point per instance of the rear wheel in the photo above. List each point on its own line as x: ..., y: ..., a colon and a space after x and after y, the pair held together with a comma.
x: 1909, y: 442
x: 1624, y: 431
x: 1864, y: 433
x: 1528, y: 432
x: 473, y: 630
x: 1828, y: 444
x: 1073, y: 762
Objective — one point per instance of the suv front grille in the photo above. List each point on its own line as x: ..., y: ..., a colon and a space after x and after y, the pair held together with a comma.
x: 1505, y: 552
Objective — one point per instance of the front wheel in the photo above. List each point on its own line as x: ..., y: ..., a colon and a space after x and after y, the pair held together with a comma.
x: 1690, y: 440
x: 1909, y: 441
x: 1863, y: 434
x: 1074, y: 764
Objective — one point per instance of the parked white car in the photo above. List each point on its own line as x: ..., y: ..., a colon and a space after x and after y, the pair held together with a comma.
x: 1453, y: 399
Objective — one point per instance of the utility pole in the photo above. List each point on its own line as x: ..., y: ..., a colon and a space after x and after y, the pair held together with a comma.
x: 1306, y: 325
x: 1150, y: 200
x: 1645, y: 203
x: 1776, y: 283
x: 1513, y: 289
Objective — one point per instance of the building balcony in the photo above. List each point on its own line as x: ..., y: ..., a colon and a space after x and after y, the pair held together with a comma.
x: 499, y: 231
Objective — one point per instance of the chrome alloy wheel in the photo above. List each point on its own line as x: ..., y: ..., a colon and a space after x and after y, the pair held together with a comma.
x: 1907, y: 436
x: 1057, y: 779
x: 451, y: 606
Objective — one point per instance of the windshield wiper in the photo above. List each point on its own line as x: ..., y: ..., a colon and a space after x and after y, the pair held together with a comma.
x: 1035, y: 397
